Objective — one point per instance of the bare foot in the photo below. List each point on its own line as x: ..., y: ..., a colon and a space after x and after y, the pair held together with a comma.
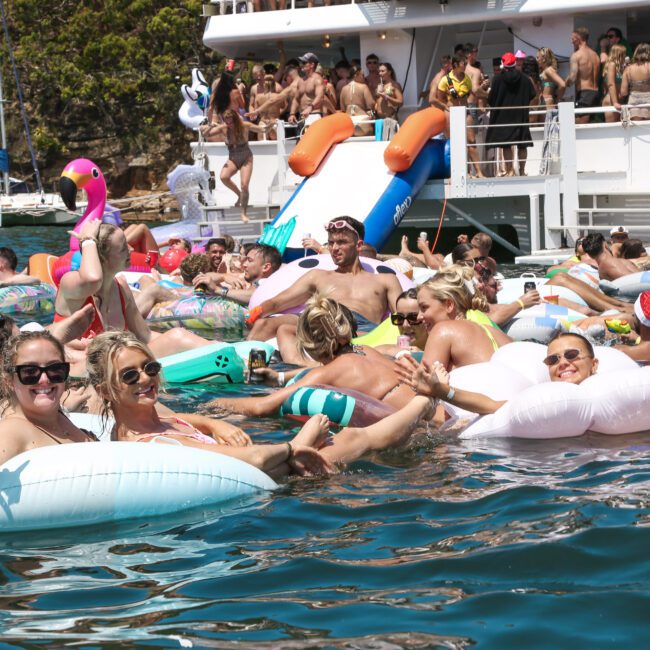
x: 404, y: 249
x: 74, y: 326
x: 244, y: 217
x: 314, y: 432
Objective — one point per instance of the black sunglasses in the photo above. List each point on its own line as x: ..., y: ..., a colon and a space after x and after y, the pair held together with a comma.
x: 29, y: 374
x: 131, y: 375
x: 570, y: 355
x: 398, y: 319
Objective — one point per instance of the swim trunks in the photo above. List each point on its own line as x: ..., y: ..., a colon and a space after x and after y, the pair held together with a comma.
x: 363, y: 324
x: 587, y: 99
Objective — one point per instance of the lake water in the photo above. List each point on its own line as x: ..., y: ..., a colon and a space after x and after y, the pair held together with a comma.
x: 444, y: 544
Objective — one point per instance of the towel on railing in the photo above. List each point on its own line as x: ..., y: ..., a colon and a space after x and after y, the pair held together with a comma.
x: 551, y: 144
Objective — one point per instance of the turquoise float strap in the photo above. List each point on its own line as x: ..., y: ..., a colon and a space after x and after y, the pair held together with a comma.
x: 298, y: 377
x: 308, y: 401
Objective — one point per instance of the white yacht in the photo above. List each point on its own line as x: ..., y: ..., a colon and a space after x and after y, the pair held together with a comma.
x: 594, y: 178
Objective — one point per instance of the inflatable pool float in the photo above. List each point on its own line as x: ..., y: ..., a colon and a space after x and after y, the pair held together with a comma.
x: 62, y: 486
x: 27, y: 299
x: 287, y: 274
x: 629, y: 286
x: 217, y: 362
x: 342, y: 407
x: 384, y: 334
x: 613, y: 401
x: 513, y: 288
x: 198, y: 312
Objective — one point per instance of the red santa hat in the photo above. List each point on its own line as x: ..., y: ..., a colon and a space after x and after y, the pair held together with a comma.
x: 642, y: 308
x: 508, y: 60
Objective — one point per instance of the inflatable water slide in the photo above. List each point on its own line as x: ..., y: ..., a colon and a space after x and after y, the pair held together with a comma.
x: 375, y: 182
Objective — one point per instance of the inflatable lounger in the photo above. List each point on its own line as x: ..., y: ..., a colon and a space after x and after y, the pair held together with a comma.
x: 217, y: 362
x: 198, y: 313
x: 27, y: 299
x: 88, y: 484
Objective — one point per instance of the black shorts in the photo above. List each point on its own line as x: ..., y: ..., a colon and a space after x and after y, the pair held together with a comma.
x: 587, y: 99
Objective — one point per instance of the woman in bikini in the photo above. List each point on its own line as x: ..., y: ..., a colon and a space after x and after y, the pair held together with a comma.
x: 612, y: 79
x: 240, y: 156
x: 389, y: 93
x: 454, y: 311
x: 553, y: 85
x: 104, y: 254
x: 635, y: 84
x: 325, y: 332
x: 224, y: 95
x: 32, y: 382
x: 357, y: 101
x: 127, y: 378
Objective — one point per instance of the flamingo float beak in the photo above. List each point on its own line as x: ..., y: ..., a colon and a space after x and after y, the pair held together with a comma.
x: 69, y: 183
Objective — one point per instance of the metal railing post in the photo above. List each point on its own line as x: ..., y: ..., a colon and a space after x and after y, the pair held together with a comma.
x: 458, y: 153
x: 569, y: 170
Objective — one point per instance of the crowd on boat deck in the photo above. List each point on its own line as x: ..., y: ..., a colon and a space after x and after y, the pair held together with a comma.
x: 608, y: 73
x: 453, y: 319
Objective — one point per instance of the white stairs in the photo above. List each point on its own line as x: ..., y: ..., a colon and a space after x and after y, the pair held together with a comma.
x: 227, y: 221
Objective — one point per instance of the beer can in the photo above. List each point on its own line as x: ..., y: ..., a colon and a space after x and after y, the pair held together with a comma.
x: 256, y: 359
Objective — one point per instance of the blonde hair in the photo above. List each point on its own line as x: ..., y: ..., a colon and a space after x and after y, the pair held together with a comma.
x: 269, y: 83
x: 104, y: 234
x: 547, y: 57
x: 617, y: 54
x: 456, y: 283
x: 324, y: 328
x: 641, y: 54
x: 100, y: 364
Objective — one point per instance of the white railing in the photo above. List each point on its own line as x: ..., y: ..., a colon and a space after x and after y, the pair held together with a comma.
x: 223, y: 7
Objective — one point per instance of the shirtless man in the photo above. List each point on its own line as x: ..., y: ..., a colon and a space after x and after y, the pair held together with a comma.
x: 445, y: 69
x: 260, y: 262
x: 271, y: 90
x: 286, y: 94
x: 584, y: 73
x: 609, y: 267
x: 479, y: 93
x: 369, y: 295
x: 308, y: 101
x: 372, y: 78
x: 9, y: 277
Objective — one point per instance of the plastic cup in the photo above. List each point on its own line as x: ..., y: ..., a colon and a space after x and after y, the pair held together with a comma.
x: 403, y: 341
x: 423, y: 236
x: 554, y: 299
x: 152, y: 258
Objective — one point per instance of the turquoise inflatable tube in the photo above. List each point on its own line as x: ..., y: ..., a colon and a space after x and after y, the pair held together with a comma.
x: 64, y: 486
x: 217, y: 362
x: 342, y: 407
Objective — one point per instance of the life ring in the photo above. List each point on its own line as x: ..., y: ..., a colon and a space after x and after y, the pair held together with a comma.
x: 287, y: 274
x: 615, y: 400
x: 62, y: 486
x: 629, y: 286
x: 342, y: 407
x: 513, y: 288
x: 217, y: 362
x: 27, y: 299
x: 198, y: 312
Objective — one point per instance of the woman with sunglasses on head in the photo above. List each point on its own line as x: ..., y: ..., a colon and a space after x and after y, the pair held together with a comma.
x: 454, y: 311
x: 570, y: 359
x: 32, y: 383
x: 126, y: 377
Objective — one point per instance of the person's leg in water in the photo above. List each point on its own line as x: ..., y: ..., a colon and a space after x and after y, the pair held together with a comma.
x: 227, y: 172
x: 177, y: 339
x: 139, y: 238
x: 74, y: 326
x: 245, y: 174
x: 395, y: 429
x: 151, y: 296
x: 267, y: 328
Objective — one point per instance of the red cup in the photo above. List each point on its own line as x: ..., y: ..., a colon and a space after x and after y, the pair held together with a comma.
x: 152, y: 258
x: 230, y: 65
x: 554, y: 300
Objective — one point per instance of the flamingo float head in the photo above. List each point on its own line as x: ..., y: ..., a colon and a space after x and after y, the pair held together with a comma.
x: 83, y: 174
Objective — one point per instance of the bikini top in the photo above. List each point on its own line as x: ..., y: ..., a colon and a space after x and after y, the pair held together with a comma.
x: 192, y: 434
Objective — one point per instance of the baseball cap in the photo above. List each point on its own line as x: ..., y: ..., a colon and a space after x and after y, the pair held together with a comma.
x: 519, y: 54
x: 508, y: 60
x: 619, y: 230
x: 308, y: 57
x: 642, y: 308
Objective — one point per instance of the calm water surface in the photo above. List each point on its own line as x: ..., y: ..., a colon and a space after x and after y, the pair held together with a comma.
x: 446, y: 544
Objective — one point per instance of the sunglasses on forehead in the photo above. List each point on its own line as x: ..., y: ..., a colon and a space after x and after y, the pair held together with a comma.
x: 29, y: 374
x: 340, y: 225
x: 398, y: 319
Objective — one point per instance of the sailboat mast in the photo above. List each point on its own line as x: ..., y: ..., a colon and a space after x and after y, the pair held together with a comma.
x: 19, y: 91
x: 3, y: 134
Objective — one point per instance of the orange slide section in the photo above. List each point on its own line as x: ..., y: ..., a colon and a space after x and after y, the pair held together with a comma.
x: 41, y: 266
x: 416, y: 131
x: 319, y: 137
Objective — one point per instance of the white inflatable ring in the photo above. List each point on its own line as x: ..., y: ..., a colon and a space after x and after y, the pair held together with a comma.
x: 629, y: 286
x: 93, y: 483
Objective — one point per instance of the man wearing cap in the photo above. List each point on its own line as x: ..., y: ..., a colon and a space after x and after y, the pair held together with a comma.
x: 584, y: 72
x: 310, y: 90
x: 512, y: 89
x: 617, y: 236
x: 609, y: 267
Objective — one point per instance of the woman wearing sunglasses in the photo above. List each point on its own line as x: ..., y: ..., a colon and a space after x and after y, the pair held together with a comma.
x: 409, y: 323
x: 570, y: 359
x: 32, y: 382
x: 127, y: 378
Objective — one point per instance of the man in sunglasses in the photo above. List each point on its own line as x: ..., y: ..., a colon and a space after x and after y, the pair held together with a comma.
x: 368, y: 295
